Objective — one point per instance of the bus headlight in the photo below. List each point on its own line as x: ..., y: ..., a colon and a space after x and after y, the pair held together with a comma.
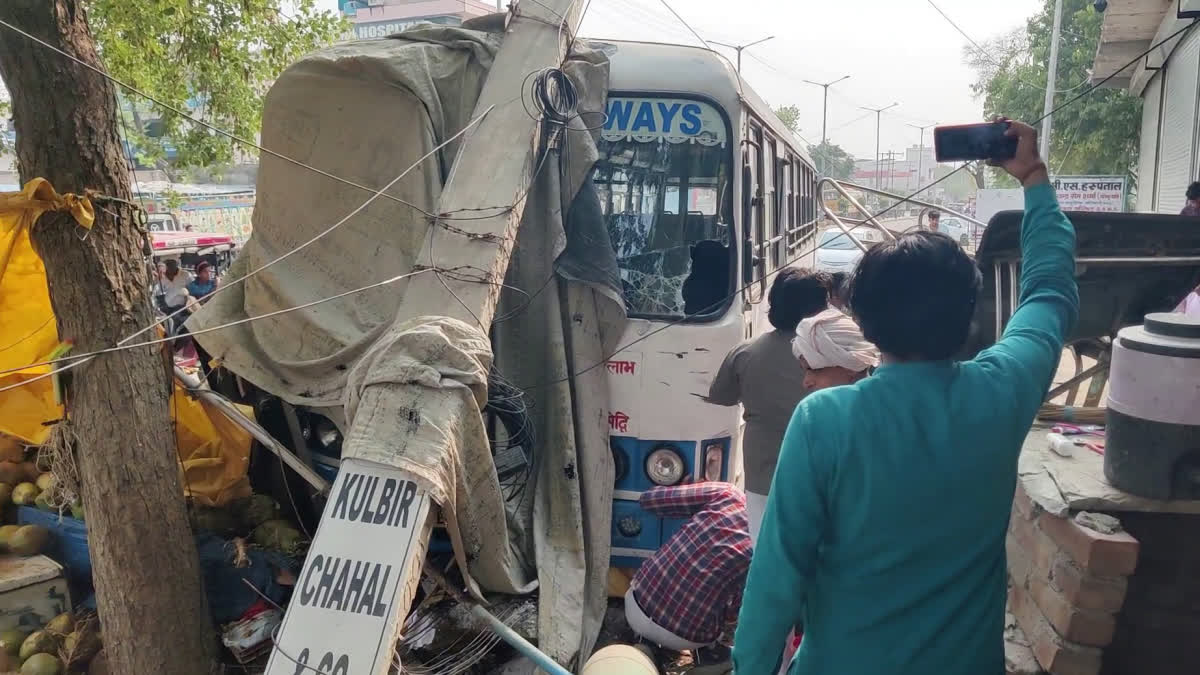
x: 714, y: 461
x: 665, y: 466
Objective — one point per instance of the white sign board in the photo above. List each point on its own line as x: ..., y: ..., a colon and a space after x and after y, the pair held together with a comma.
x: 990, y: 202
x: 381, y: 29
x: 1090, y: 193
x: 1075, y: 193
x: 343, y: 618
x: 675, y: 120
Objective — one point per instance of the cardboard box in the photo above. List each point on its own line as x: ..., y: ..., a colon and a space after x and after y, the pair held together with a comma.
x: 33, y: 591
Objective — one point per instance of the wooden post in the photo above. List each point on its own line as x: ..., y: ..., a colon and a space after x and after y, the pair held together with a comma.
x: 494, y: 168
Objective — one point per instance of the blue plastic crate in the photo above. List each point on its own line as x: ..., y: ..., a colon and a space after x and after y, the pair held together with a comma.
x: 68, y: 541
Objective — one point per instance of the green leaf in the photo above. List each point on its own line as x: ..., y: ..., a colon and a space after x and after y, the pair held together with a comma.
x: 1098, y: 134
x: 214, y: 59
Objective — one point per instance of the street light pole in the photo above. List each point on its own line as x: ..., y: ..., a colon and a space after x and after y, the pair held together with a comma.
x: 739, y: 48
x: 1051, y: 77
x: 878, y: 116
x: 921, y: 152
x: 825, y: 118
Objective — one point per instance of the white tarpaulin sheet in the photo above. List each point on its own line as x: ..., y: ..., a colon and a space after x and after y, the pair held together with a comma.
x: 408, y: 389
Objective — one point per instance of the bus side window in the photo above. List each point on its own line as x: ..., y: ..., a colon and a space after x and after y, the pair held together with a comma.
x: 754, y: 220
x: 783, y: 218
x: 747, y: 218
x: 770, y: 208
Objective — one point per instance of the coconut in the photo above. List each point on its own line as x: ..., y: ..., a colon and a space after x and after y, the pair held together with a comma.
x: 38, y: 642
x: 278, y: 535
x: 11, y: 640
x: 11, y: 450
x: 256, y: 510
x: 6, y: 533
x: 11, y: 473
x: 62, y: 624
x: 25, y: 494
x: 45, y: 481
x: 43, y: 502
x: 42, y: 664
x: 79, y: 648
x: 29, y: 540
x: 32, y: 472
x: 5, y: 494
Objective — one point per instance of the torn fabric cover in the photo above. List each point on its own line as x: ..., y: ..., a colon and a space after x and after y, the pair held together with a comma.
x: 407, y: 391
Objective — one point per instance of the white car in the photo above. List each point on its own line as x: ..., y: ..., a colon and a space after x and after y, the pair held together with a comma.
x: 837, y: 253
x: 957, y: 229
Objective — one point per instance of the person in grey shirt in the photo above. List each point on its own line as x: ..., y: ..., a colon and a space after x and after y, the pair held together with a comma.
x: 768, y: 381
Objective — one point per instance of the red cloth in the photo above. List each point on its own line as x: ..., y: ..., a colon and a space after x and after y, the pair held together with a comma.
x: 693, y: 585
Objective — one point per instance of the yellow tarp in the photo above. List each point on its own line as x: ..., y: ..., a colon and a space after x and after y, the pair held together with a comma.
x: 215, y: 453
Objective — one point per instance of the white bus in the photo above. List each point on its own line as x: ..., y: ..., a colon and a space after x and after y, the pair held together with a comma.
x: 705, y: 194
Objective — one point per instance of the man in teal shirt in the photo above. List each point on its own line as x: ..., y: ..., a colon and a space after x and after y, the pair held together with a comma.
x: 884, y: 530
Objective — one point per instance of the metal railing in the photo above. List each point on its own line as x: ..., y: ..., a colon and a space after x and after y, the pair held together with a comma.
x: 868, y: 217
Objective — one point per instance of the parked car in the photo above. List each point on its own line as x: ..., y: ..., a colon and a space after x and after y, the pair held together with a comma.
x: 837, y: 253
x: 957, y: 228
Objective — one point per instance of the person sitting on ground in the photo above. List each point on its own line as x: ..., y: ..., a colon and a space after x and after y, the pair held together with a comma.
x: 884, y: 530
x: 204, y: 283
x: 171, y: 293
x: 686, y: 596
x: 764, y: 377
x: 1192, y: 207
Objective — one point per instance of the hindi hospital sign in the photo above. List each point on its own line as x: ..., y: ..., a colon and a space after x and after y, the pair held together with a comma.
x: 1090, y: 193
x: 381, y: 29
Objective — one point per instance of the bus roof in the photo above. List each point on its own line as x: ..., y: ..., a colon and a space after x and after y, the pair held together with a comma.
x: 686, y: 69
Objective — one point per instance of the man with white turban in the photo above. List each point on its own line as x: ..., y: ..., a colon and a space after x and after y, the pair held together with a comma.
x: 833, y: 350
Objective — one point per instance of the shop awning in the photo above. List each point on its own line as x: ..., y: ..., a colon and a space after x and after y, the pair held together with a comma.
x: 1128, y: 30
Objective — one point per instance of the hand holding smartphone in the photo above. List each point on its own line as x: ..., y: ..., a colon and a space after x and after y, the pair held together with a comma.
x: 968, y: 142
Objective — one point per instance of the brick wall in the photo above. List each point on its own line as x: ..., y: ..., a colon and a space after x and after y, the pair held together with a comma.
x: 1158, y: 629
x: 1069, y: 578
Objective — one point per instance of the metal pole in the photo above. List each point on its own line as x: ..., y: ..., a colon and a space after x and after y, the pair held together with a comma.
x: 739, y: 48
x: 231, y: 411
x: 824, y: 121
x: 825, y: 118
x: 1051, y: 77
x: 878, y: 169
x: 921, y: 152
x: 878, y: 116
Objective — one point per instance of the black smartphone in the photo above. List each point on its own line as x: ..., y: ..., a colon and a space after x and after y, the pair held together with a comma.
x: 967, y: 142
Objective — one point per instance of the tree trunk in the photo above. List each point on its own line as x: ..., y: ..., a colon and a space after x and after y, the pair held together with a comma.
x: 977, y: 172
x: 144, y: 560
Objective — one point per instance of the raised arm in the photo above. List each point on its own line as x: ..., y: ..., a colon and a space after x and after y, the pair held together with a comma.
x: 1049, y: 304
x: 786, y: 552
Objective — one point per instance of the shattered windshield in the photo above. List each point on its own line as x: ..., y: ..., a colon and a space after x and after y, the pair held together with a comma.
x: 664, y: 184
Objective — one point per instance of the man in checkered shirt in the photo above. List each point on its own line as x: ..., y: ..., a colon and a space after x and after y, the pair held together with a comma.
x: 687, y: 595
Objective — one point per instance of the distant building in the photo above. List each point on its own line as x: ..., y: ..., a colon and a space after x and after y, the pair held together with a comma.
x: 897, y: 172
x: 1167, y: 81
x: 381, y: 18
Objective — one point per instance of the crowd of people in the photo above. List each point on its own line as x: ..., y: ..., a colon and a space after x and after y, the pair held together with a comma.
x: 871, y: 530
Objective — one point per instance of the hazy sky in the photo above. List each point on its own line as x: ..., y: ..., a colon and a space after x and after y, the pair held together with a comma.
x: 894, y: 50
